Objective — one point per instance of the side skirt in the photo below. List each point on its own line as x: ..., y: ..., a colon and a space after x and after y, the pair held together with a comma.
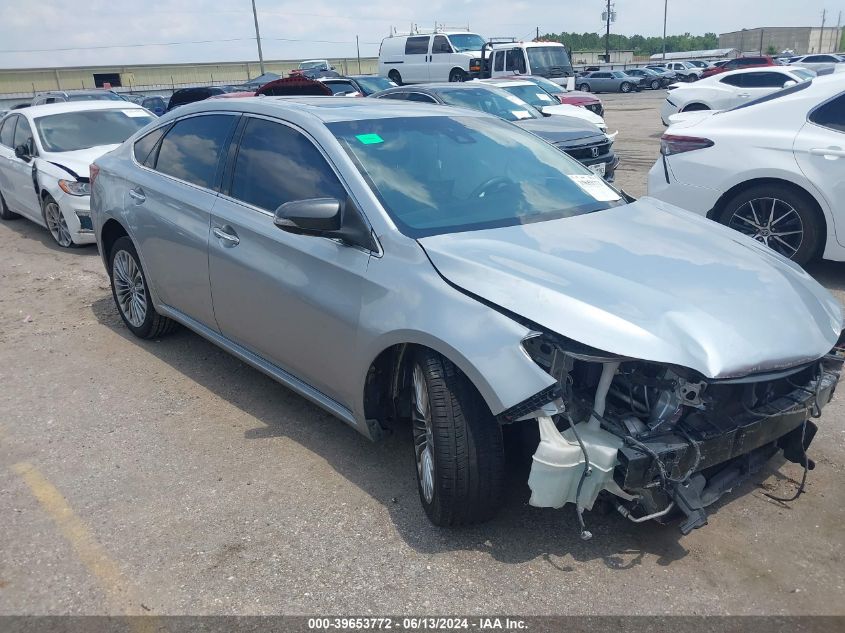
x: 266, y: 367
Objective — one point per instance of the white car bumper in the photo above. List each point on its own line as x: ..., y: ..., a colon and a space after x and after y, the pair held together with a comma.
x: 667, y: 109
x: 77, y: 213
x: 663, y: 186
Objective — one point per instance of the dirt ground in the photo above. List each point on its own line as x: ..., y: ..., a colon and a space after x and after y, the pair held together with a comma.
x: 167, y: 477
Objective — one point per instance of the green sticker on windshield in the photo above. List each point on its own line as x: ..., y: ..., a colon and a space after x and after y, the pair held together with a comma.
x: 370, y: 139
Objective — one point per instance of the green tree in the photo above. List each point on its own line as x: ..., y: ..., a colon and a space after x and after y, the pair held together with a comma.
x: 639, y: 44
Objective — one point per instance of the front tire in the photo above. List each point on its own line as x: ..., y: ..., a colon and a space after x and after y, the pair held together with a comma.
x: 132, y: 294
x: 655, y: 84
x: 783, y: 218
x: 56, y: 223
x: 457, y: 444
x: 625, y: 87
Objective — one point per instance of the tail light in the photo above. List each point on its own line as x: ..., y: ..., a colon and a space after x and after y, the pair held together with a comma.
x: 672, y: 144
x: 93, y: 172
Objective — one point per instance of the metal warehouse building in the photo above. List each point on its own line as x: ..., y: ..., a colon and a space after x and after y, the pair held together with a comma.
x: 801, y: 39
x: 21, y: 84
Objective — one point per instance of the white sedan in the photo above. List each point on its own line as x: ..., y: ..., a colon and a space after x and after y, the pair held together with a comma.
x: 530, y: 92
x: 773, y: 169
x: 821, y: 63
x: 730, y: 89
x: 45, y: 152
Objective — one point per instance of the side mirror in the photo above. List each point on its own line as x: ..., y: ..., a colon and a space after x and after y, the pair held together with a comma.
x: 326, y: 217
x: 315, y: 216
x: 22, y: 152
x: 789, y: 83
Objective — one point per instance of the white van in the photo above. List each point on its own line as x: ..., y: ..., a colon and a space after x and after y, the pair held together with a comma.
x: 542, y: 59
x: 439, y: 56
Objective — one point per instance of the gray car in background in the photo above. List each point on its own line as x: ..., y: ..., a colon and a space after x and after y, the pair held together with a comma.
x: 608, y: 81
x: 649, y: 78
x: 442, y: 272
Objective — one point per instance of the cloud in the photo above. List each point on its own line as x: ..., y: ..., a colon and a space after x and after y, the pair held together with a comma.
x: 328, y: 27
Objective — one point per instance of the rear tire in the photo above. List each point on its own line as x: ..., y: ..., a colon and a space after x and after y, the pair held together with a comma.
x: 395, y: 77
x: 584, y: 87
x: 625, y: 87
x: 789, y: 219
x: 655, y: 84
x: 457, y: 444
x: 131, y: 293
x: 5, y: 212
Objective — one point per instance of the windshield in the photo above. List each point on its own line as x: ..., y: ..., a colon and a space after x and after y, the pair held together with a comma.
x: 444, y: 174
x: 534, y: 95
x: 80, y: 130
x: 98, y: 96
x: 463, y: 42
x: 803, y: 73
x: 374, y: 84
x: 547, y: 85
x: 500, y: 104
x: 548, y: 59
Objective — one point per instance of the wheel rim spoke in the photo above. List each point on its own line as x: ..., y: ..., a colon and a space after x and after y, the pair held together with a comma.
x: 788, y: 236
x: 423, y: 433
x: 129, y: 288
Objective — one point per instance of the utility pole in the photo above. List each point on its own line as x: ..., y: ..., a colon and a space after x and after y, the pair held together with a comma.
x: 607, y: 36
x: 358, y: 49
x: 838, y: 38
x: 821, y: 30
x: 665, y: 12
x: 258, y: 37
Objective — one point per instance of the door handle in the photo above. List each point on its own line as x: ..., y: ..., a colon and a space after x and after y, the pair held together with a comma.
x: 227, y: 234
x: 831, y: 153
x: 137, y: 195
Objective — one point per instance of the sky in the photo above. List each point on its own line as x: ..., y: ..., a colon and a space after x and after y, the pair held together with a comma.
x: 49, y: 33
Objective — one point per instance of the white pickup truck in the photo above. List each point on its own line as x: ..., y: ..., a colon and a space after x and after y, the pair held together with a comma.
x: 544, y: 59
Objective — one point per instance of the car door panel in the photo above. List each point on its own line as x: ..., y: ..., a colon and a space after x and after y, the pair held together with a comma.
x: 820, y: 153
x: 416, y: 66
x: 292, y: 299
x: 169, y: 212
x: 21, y: 175
x: 441, y: 59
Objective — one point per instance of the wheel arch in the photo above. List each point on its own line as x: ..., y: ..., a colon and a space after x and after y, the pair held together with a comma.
x: 112, y: 231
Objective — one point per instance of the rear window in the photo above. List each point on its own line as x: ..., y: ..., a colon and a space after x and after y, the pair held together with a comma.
x: 831, y: 114
x: 341, y: 87
x: 72, y: 131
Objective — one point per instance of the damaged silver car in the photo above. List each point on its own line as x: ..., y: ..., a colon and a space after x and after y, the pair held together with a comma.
x: 406, y: 265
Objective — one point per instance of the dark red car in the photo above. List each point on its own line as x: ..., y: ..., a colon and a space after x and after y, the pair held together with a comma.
x: 740, y: 62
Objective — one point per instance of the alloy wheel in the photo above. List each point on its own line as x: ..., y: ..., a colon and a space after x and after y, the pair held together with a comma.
x: 57, y: 225
x: 423, y: 433
x: 129, y: 288
x: 771, y: 221
x: 625, y: 87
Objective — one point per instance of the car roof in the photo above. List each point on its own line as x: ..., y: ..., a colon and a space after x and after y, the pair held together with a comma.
x: 78, y: 106
x: 328, y: 109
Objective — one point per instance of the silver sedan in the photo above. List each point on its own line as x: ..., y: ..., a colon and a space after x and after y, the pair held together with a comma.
x: 441, y: 272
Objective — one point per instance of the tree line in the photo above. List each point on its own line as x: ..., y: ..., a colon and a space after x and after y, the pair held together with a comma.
x: 637, y: 43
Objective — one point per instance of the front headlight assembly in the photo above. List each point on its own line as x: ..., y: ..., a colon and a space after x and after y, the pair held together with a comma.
x: 75, y: 187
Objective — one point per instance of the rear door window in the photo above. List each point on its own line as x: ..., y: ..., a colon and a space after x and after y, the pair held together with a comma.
x: 831, y: 114
x: 7, y: 133
x: 732, y: 80
x: 192, y: 149
x: 277, y: 164
x: 764, y: 80
x: 417, y: 45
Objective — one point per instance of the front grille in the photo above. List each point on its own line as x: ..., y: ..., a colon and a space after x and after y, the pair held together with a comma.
x: 585, y: 152
x: 595, y: 108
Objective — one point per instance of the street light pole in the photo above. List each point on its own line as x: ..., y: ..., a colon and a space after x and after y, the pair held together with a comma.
x: 607, y: 36
x: 665, y: 12
x: 258, y: 38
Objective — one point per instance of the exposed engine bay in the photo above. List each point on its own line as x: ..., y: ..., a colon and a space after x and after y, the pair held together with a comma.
x: 663, y: 441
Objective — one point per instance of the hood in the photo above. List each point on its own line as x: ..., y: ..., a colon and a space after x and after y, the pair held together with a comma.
x: 560, y: 129
x: 79, y: 160
x: 567, y: 109
x: 649, y: 281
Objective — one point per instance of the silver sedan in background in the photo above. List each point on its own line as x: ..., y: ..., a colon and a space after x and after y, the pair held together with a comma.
x: 440, y: 271
x: 608, y: 81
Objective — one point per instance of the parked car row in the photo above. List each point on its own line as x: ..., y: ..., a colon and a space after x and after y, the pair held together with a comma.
x: 772, y: 168
x: 463, y: 274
